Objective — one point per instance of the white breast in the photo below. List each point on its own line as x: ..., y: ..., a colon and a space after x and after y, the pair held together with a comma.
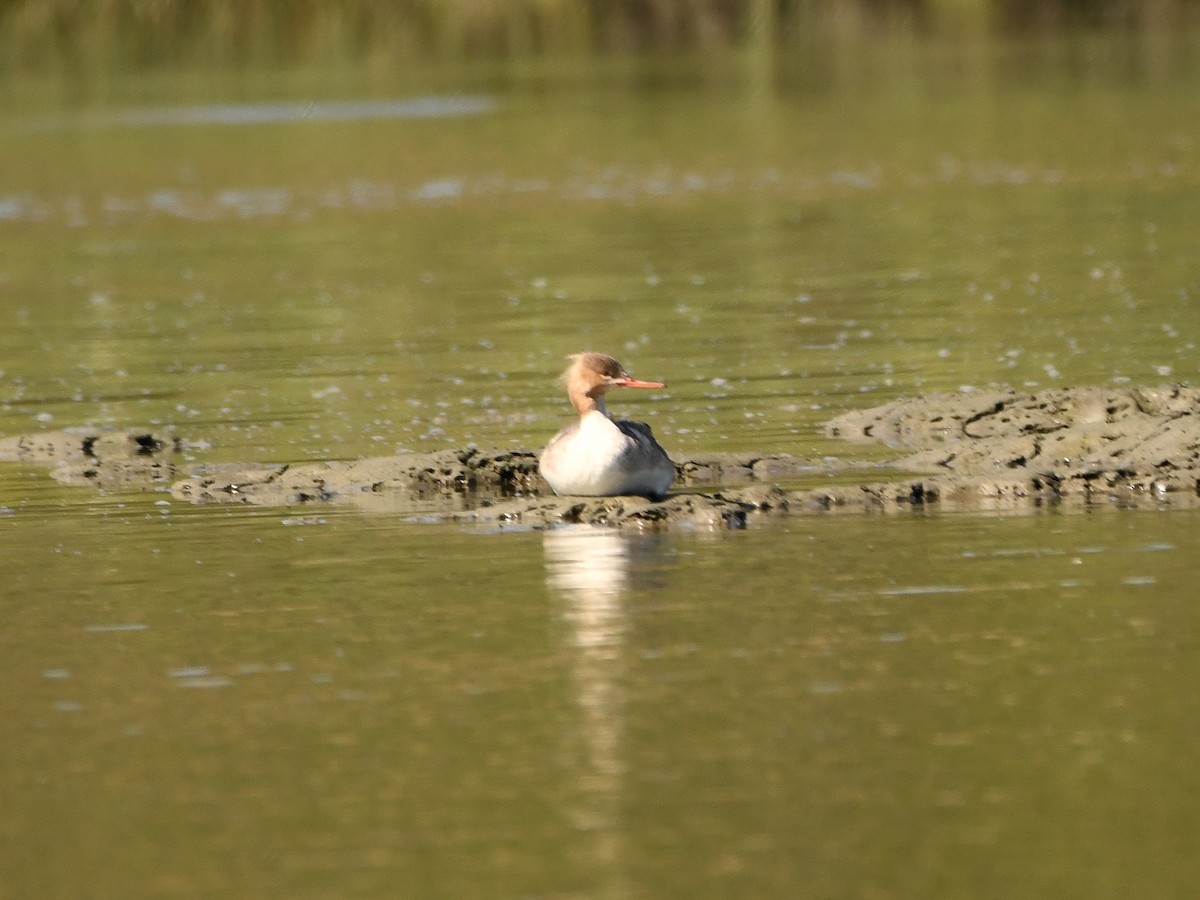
x: 596, y: 458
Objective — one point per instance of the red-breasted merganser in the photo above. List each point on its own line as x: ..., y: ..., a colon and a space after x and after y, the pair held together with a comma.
x: 599, y: 457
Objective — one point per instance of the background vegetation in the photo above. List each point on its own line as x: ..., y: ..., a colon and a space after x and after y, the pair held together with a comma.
x: 78, y: 33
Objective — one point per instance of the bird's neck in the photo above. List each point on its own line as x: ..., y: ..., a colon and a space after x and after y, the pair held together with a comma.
x: 585, y: 404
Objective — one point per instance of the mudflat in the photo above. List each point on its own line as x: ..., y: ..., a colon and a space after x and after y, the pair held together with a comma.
x: 1074, y: 448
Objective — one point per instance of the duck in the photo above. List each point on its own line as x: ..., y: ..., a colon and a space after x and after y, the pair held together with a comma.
x: 598, y: 456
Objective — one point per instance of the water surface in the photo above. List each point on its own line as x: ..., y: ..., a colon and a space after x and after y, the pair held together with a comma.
x: 205, y: 701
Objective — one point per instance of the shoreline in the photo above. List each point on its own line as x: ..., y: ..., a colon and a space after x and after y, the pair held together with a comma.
x: 1074, y: 448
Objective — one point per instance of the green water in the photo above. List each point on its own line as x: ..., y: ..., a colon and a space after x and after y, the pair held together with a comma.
x: 238, y: 702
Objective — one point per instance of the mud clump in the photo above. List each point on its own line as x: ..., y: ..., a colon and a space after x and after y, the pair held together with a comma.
x: 1070, y: 448
x: 495, y: 473
x: 1128, y: 446
x: 124, y: 459
x: 497, y: 486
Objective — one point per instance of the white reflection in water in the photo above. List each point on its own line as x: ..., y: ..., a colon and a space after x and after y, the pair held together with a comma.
x: 430, y: 107
x: 588, y: 569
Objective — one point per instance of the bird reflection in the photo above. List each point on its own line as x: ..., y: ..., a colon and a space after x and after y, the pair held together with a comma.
x: 588, y: 569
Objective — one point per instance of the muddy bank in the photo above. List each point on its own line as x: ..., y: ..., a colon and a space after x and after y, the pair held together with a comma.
x: 112, y: 459
x: 500, y: 486
x: 1071, y: 448
x: 1081, y: 446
